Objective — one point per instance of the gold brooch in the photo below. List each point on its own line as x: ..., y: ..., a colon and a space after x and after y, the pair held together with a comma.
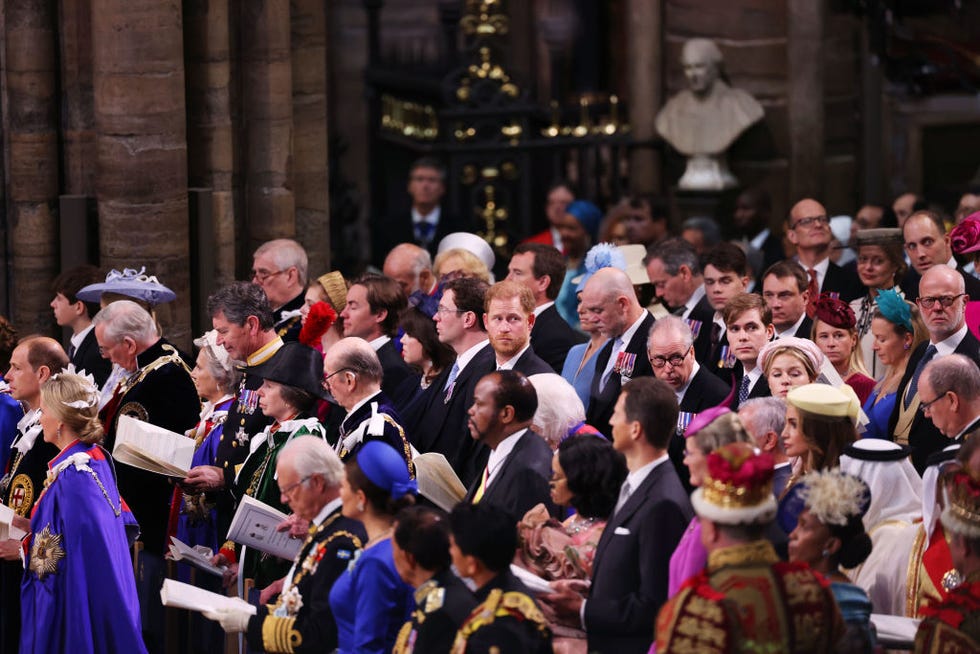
x: 46, y: 552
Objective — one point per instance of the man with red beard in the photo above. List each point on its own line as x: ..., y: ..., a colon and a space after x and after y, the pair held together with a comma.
x: 509, y: 318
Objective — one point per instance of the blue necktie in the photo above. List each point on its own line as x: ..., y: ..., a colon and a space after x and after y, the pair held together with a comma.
x: 743, y: 390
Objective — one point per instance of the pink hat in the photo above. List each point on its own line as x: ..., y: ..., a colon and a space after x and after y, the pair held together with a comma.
x: 807, y: 347
x: 965, y: 237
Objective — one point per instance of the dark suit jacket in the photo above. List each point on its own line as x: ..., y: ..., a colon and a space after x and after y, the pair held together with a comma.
x: 838, y: 281
x: 704, y: 314
x: 705, y: 391
x: 924, y: 438
x: 523, y: 479
x: 910, y: 284
x: 803, y: 331
x: 288, y: 328
x: 441, y: 426
x: 780, y: 476
x: 629, y: 572
x: 396, y: 371
x: 552, y: 337
x: 398, y: 228
x: 601, y: 403
x: 88, y: 358
x: 761, y: 388
x: 530, y: 363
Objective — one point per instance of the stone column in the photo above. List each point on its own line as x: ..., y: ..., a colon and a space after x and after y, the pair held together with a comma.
x: 644, y: 31
x: 31, y: 126
x: 311, y: 183
x: 267, y: 110
x: 78, y: 120
x: 805, y: 98
x: 141, y: 184
x: 210, y: 134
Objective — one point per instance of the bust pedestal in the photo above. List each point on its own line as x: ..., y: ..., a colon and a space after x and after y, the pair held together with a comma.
x: 706, y: 172
x: 717, y: 204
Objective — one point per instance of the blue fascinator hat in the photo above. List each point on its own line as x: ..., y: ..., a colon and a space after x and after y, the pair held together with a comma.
x: 131, y: 283
x: 386, y: 469
x: 894, y: 308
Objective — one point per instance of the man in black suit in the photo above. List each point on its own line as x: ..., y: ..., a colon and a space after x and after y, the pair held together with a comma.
x: 749, y: 322
x: 374, y: 303
x: 542, y: 269
x: 442, y: 425
x: 954, y: 381
x: 671, y: 353
x: 927, y: 245
x: 948, y: 334
x: 518, y: 469
x: 674, y: 270
x: 509, y: 319
x: 279, y: 267
x: 630, y: 568
x: 609, y: 297
x: 784, y: 288
x: 808, y: 228
x: 71, y: 312
x: 752, y: 219
x: 425, y: 223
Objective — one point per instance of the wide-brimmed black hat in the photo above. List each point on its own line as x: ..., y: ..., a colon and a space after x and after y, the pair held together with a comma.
x: 294, y: 364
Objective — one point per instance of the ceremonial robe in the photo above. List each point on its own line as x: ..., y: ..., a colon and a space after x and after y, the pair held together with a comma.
x: 506, y: 620
x: 952, y: 627
x: 442, y: 604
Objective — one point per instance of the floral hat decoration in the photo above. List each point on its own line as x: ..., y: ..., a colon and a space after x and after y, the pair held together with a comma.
x: 602, y: 255
x: 965, y: 237
x: 833, y: 497
x: 738, y: 486
x: 835, y: 312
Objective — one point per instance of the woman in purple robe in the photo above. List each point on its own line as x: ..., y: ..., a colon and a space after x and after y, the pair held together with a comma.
x: 79, y: 591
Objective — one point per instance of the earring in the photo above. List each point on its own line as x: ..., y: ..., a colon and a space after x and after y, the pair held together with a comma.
x: 825, y: 553
x: 360, y: 507
x: 59, y: 431
x: 907, y: 346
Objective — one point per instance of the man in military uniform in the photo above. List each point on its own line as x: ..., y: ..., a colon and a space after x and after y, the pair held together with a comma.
x: 309, y: 478
x: 483, y: 541
x: 420, y: 548
x: 33, y: 362
x: 279, y: 267
x: 242, y: 317
x: 953, y: 626
x: 353, y: 375
x: 157, y: 388
x: 731, y: 602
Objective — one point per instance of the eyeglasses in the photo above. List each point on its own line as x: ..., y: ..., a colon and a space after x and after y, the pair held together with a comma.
x: 946, y: 301
x: 806, y: 222
x: 925, y: 406
x: 262, y: 275
x: 287, y: 491
x: 441, y: 310
x: 336, y: 372
x: 674, y: 360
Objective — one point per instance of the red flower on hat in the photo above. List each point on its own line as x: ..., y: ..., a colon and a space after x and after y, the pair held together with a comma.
x: 320, y: 318
x: 835, y: 312
x: 740, y: 465
x: 965, y: 237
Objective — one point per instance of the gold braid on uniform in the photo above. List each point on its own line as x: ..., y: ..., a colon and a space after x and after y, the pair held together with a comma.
x: 407, y: 449
x: 279, y: 635
x: 500, y: 605
x: 159, y: 362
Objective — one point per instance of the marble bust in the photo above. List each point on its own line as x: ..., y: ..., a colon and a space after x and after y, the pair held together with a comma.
x: 703, y: 120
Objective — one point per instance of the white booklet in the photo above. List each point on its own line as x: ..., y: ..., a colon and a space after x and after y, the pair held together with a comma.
x: 153, y: 448
x: 534, y: 583
x: 437, y: 481
x: 254, y: 525
x: 184, y: 596
x: 199, y: 556
x: 895, y: 630
x: 7, y: 530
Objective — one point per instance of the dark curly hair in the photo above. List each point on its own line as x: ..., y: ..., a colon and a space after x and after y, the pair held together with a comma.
x: 594, y: 471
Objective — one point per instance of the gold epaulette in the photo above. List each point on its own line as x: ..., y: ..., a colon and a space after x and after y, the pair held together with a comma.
x: 407, y: 449
x: 499, y: 605
x: 279, y: 635
x: 159, y: 362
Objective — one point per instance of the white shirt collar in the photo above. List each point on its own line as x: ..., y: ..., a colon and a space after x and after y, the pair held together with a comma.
x: 511, y: 362
x: 683, y: 389
x: 821, y: 269
x: 949, y: 345
x: 632, y: 329
x: 792, y: 330
x: 693, y: 301
x: 544, y: 307
x: 76, y: 339
x: 952, y: 263
x: 467, y: 356
x: 379, y: 342
x: 500, y: 454
x: 637, y: 477
x: 754, y: 376
x: 432, y: 217
x: 760, y: 239
x: 327, y: 509
x: 357, y: 406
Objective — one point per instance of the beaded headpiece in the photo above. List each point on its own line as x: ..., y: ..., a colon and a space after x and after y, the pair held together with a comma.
x: 738, y: 486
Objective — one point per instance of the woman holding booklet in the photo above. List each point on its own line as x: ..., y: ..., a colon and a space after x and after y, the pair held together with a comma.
x: 79, y: 592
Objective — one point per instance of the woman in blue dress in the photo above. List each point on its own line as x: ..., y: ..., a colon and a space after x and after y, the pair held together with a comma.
x: 79, y: 591
x: 370, y: 602
x: 897, y: 330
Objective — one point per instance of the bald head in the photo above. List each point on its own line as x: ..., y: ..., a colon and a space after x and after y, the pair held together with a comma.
x: 941, y: 284
x: 610, y: 298
x: 809, y: 230
x: 33, y: 362
x: 410, y: 266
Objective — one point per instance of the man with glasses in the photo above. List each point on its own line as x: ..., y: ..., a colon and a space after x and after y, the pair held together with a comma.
x: 441, y: 425
x: 808, y: 228
x: 279, y: 267
x: 670, y: 350
x: 949, y: 395
x: 942, y: 302
x: 674, y: 269
x: 927, y: 245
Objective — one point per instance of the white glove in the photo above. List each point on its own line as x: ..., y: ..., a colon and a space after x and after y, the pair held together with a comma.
x: 234, y: 618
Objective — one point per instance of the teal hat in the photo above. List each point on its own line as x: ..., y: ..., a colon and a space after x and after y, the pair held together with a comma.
x: 587, y: 214
x: 386, y: 469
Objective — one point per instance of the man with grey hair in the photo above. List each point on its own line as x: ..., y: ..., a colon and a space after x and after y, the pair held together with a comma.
x: 949, y: 393
x: 670, y: 350
x: 411, y: 266
x: 279, y: 267
x: 764, y: 419
x: 674, y: 269
x: 309, y: 475
x: 352, y: 375
x: 157, y: 389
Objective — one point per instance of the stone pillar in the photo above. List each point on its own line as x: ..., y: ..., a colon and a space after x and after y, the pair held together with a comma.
x: 644, y: 30
x: 311, y: 183
x: 267, y: 110
x: 141, y: 184
x: 805, y: 98
x: 77, y: 102
x: 210, y: 134
x: 31, y: 126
